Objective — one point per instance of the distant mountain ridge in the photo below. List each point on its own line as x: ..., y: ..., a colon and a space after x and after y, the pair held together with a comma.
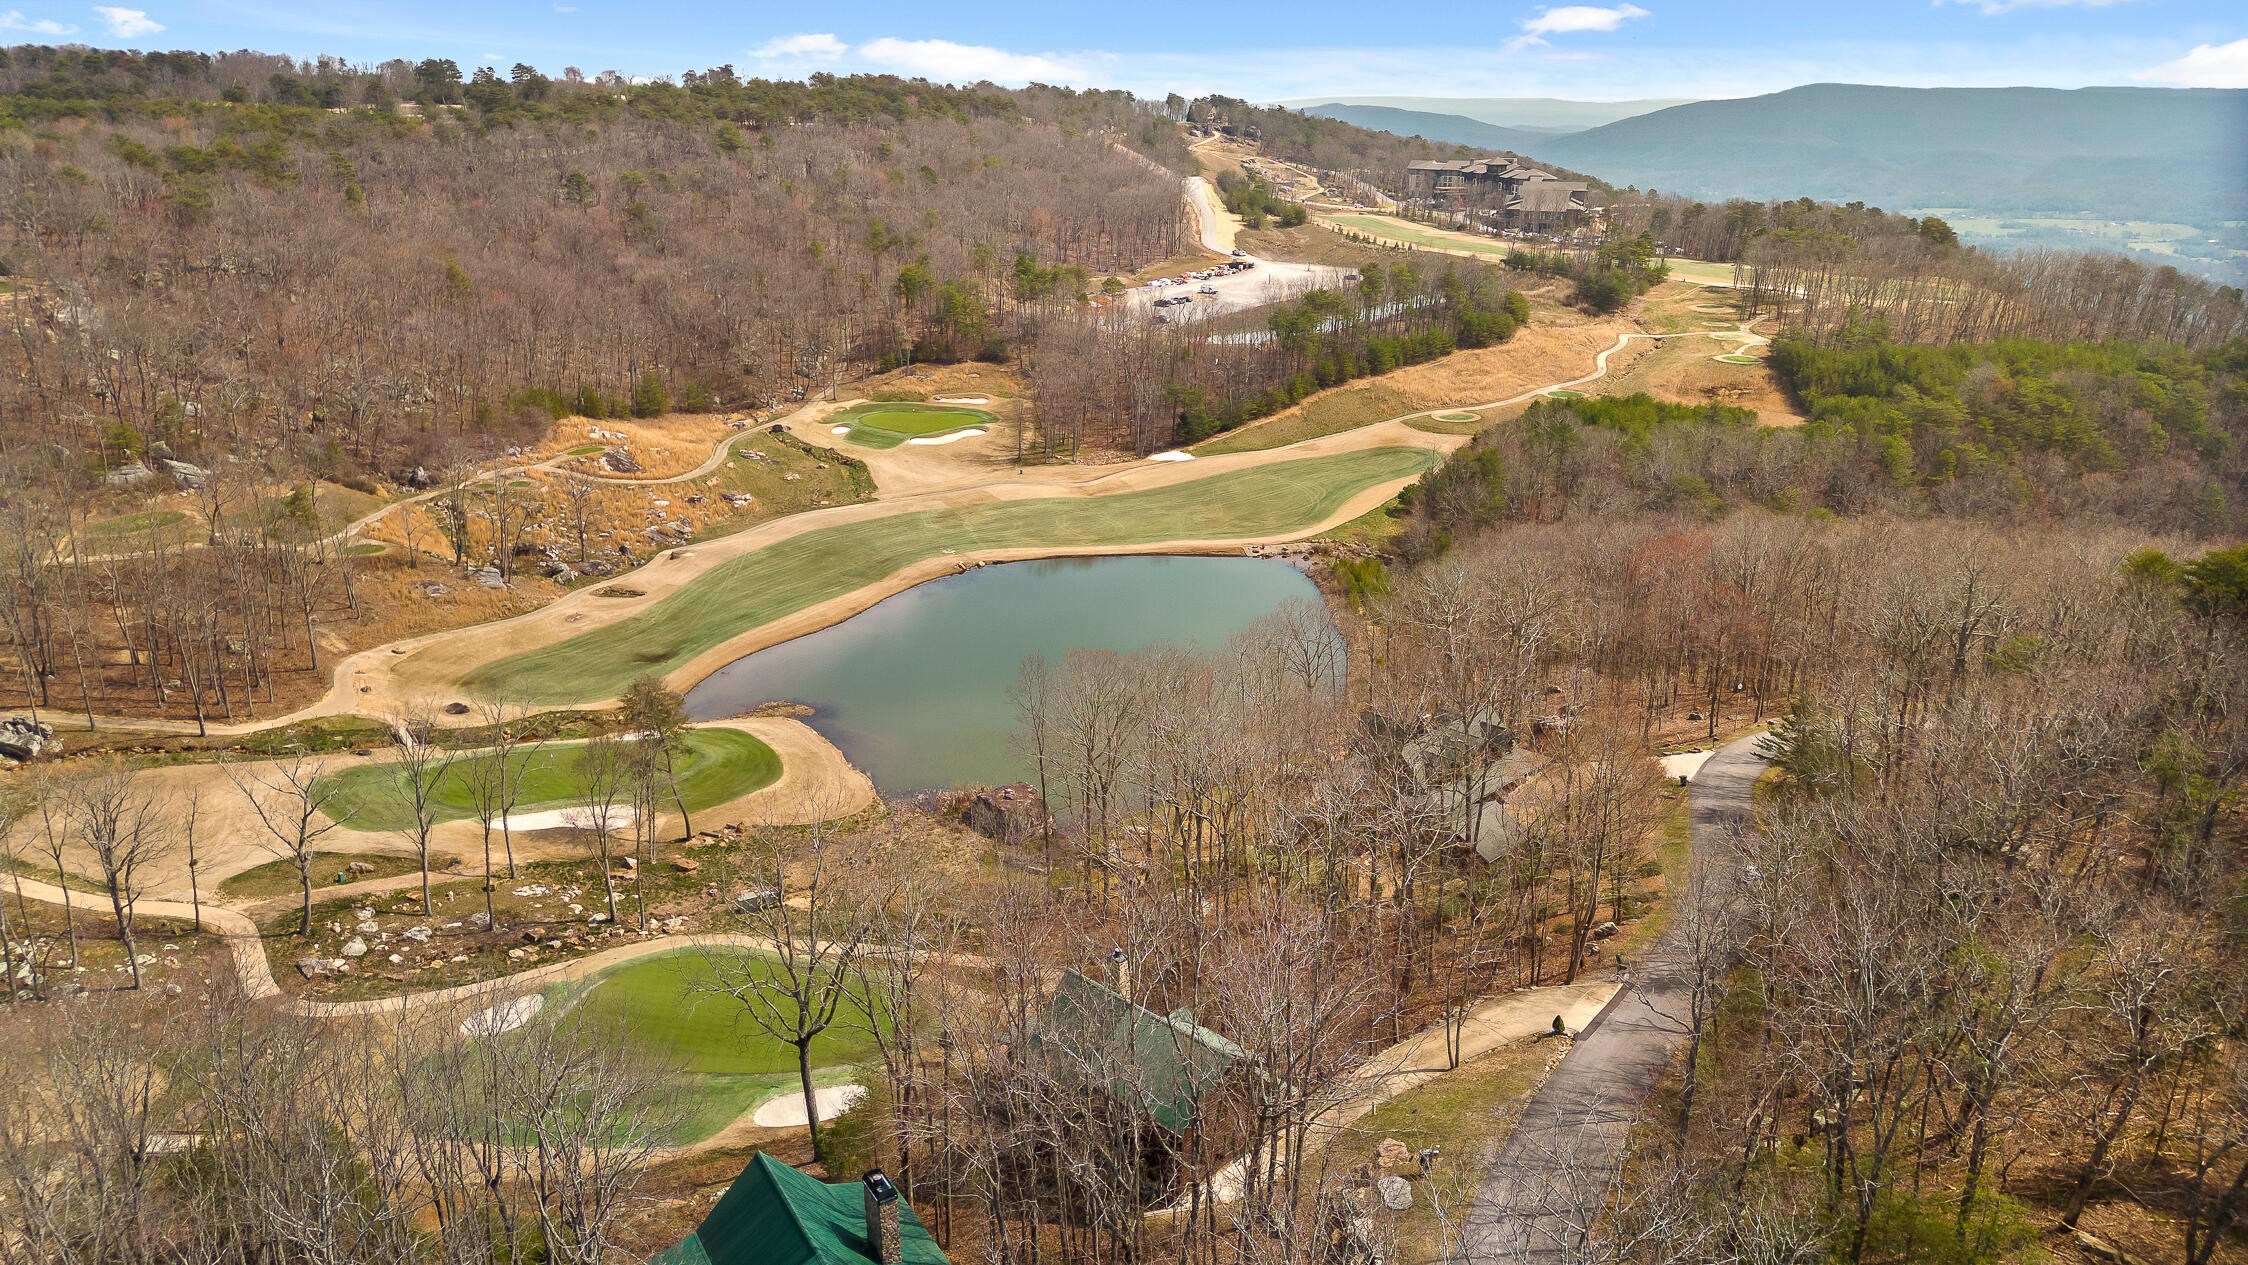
x: 1456, y: 129
x: 2001, y: 149
x: 1532, y: 114
x: 2157, y: 155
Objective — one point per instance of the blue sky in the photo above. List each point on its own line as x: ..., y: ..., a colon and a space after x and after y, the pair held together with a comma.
x: 1264, y: 51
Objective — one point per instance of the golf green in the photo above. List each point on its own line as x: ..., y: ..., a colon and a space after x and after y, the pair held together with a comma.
x: 1457, y: 417
x: 888, y: 425
x: 747, y: 592
x: 718, y: 765
x: 666, y: 1005
x: 1738, y: 360
x: 1566, y: 395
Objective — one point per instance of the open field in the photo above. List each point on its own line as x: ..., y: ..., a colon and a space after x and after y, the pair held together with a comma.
x: 886, y: 425
x: 746, y: 592
x: 718, y: 765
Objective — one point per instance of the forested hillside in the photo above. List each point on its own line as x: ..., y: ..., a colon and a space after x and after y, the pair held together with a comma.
x: 385, y: 283
x: 2141, y: 434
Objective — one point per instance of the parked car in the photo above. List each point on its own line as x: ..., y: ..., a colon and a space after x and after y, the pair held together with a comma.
x: 1350, y: 276
x: 1209, y: 289
x: 1238, y: 253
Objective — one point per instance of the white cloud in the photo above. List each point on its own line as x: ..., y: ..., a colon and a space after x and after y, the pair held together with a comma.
x: 1580, y: 17
x: 14, y: 21
x: 965, y: 63
x: 2208, y: 66
x: 127, y: 24
x: 800, y: 48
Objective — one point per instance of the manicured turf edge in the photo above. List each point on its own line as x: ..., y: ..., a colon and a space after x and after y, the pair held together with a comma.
x: 721, y: 765
x: 802, y: 571
x: 867, y: 434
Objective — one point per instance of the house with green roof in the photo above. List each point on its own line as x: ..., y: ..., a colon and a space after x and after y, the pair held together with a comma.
x: 775, y: 1215
x: 1164, y: 1067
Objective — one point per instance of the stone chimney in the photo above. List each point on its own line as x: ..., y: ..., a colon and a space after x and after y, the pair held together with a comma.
x: 883, y: 1244
x: 1120, y: 973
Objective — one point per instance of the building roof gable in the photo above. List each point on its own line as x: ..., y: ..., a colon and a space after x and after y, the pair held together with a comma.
x: 1163, y: 1064
x: 775, y: 1215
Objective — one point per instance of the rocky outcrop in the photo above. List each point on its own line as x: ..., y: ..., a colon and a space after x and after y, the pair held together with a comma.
x: 1008, y: 814
x: 23, y: 739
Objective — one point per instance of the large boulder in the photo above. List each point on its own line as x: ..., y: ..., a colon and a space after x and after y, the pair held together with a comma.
x: 1008, y: 814
x: 22, y: 738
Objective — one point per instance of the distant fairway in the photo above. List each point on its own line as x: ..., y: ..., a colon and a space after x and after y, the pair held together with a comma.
x: 804, y: 570
x: 888, y: 425
x: 719, y: 765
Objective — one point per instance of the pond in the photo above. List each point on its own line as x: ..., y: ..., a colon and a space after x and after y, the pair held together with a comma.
x: 914, y: 690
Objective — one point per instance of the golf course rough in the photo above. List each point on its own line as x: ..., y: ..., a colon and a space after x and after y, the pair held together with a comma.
x: 888, y: 425
x: 718, y: 766
x: 804, y: 570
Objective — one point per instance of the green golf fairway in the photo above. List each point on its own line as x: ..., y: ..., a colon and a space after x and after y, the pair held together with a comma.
x: 888, y: 425
x: 718, y: 765
x: 804, y: 570
x: 658, y: 1004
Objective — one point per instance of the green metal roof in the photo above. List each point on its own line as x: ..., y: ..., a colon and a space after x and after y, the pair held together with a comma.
x: 774, y: 1215
x: 1164, y: 1064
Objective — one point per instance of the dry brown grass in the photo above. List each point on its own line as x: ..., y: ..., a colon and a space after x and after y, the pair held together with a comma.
x: 664, y: 446
x: 1538, y: 355
x: 1685, y: 371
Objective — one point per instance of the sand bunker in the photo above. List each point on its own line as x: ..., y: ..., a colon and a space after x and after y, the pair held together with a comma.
x: 963, y: 399
x: 787, y: 1111
x: 946, y: 439
x: 839, y: 430
x: 565, y: 819
x: 1173, y: 455
x: 506, y: 1017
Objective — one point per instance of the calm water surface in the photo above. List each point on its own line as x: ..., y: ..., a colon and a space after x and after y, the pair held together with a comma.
x: 914, y: 690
